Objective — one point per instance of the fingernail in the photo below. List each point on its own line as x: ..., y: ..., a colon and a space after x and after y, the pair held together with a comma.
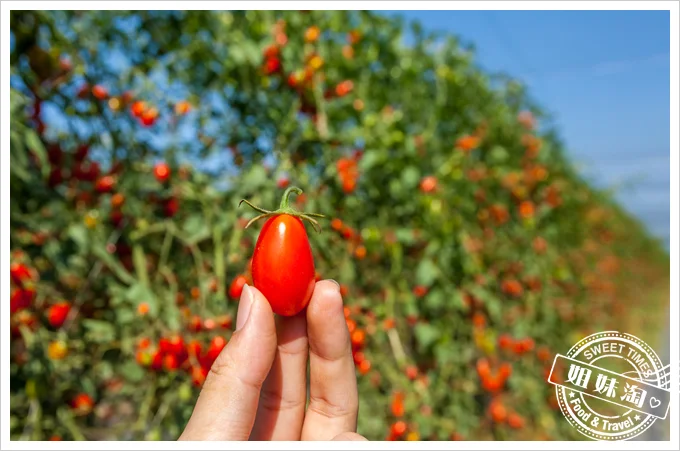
x: 335, y: 282
x: 244, y: 306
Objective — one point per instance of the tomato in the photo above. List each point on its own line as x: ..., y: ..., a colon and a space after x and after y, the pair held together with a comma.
x: 195, y: 324
x: 56, y: 315
x: 498, y: 412
x: 224, y: 321
x: 216, y: 345
x: 138, y: 108
x: 236, y: 286
x: 170, y: 207
x: 344, y: 88
x: 82, y: 403
x: 505, y: 341
x: 162, y: 172
x: 57, y: 350
x: 117, y: 200
x: 182, y: 108
x: 364, y: 366
x: 144, y: 343
x: 283, y: 265
x: 105, y: 184
x: 19, y: 273
x: 483, y: 368
x: 412, y: 372
x: 428, y: 184
x: 420, y: 290
x: 515, y: 421
x: 198, y: 375
x: 505, y: 370
x: 194, y: 348
x: 100, y: 92
x: 143, y: 308
x: 398, y: 429
x: 312, y: 33
x: 157, y: 360
x: 271, y: 51
x: 272, y: 66
x: 173, y: 345
x: 170, y: 362
x: 149, y: 116
x: 282, y: 182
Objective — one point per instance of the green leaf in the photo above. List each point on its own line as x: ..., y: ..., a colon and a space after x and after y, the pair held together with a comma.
x: 410, y: 177
x: 111, y: 263
x: 34, y: 144
x: 78, y: 233
x: 426, y: 334
x: 171, y: 318
x: 131, y: 371
x: 370, y: 158
x: 196, y: 229
x: 254, y: 179
x: 426, y: 273
x: 125, y: 315
x: 404, y: 236
x: 99, y: 331
x: 435, y: 299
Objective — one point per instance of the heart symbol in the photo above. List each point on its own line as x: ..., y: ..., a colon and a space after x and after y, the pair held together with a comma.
x: 654, y: 402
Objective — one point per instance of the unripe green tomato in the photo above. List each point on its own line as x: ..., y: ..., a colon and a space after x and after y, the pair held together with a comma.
x: 153, y: 434
x: 31, y: 389
x: 436, y: 207
x: 184, y: 392
x: 370, y: 234
x: 370, y: 120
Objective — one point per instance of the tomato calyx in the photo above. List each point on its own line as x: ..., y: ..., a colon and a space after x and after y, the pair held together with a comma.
x: 284, y: 209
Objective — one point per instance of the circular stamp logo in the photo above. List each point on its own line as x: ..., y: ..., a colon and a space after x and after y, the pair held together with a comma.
x: 611, y: 386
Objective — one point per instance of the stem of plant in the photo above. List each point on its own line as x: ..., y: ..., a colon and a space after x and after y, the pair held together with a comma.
x: 285, y: 209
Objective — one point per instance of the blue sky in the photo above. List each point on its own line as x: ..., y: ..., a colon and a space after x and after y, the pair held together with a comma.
x: 603, y: 75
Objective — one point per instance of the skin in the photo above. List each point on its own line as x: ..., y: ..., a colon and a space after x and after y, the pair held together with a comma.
x: 257, y: 387
x: 283, y: 265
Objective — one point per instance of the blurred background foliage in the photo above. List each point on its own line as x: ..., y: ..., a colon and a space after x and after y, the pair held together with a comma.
x: 468, y: 249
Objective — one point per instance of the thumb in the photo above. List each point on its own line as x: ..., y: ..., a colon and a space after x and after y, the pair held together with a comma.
x: 227, y: 405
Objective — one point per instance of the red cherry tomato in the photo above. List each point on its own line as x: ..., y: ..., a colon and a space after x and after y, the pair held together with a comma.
x: 56, y: 314
x: 82, y: 403
x: 162, y: 172
x: 19, y: 273
x: 283, y: 265
x: 216, y: 345
x: 105, y: 184
x: 236, y: 286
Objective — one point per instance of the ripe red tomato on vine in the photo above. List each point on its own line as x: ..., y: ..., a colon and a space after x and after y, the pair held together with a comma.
x: 236, y: 286
x: 283, y: 264
x: 162, y: 172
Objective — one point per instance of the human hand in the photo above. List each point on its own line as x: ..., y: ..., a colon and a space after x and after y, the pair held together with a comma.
x: 257, y: 387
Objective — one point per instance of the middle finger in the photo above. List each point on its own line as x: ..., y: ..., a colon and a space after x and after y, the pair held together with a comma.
x: 281, y: 409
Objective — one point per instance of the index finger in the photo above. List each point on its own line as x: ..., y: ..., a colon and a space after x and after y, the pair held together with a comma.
x: 226, y: 407
x: 334, y: 402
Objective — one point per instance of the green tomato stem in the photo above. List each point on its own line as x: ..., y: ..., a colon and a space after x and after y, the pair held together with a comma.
x: 284, y: 209
x: 286, y: 197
